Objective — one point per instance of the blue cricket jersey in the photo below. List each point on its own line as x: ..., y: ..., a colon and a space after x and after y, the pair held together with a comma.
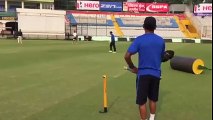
x: 112, y: 38
x: 150, y: 48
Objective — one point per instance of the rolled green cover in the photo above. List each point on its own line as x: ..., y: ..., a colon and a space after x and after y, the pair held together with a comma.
x: 186, y: 64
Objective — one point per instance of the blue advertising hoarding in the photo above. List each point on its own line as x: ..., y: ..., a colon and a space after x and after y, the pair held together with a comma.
x: 111, y: 6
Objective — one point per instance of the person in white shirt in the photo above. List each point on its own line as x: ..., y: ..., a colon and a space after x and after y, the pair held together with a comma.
x: 75, y: 37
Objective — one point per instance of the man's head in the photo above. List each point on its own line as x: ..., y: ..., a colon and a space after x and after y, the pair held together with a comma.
x: 150, y: 24
x: 111, y: 32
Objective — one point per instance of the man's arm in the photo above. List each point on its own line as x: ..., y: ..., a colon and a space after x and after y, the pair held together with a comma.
x: 129, y: 62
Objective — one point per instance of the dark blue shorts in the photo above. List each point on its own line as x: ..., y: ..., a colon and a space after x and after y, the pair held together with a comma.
x: 147, y: 87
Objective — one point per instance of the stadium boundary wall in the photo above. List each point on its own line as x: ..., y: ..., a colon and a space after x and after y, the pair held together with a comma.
x: 128, y: 39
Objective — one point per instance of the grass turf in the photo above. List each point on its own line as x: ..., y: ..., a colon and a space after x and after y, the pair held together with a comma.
x: 57, y: 80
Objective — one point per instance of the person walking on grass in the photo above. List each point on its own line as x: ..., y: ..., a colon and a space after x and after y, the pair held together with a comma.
x: 150, y: 48
x: 112, y: 43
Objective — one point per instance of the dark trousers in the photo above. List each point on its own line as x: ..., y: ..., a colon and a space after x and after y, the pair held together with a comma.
x: 112, y: 44
x: 147, y: 86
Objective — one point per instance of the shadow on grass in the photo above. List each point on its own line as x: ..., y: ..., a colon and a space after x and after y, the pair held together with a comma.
x: 111, y: 105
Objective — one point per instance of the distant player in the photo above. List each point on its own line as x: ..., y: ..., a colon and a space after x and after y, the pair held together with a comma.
x: 112, y: 43
x: 20, y: 36
x: 75, y: 37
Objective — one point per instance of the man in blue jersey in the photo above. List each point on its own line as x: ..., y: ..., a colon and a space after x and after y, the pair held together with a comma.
x: 150, y: 48
x: 112, y: 43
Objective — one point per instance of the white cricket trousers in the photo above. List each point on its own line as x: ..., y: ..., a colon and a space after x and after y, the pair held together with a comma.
x: 19, y: 39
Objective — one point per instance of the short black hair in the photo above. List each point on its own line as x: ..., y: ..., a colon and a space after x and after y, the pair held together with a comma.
x: 150, y: 23
x: 110, y: 31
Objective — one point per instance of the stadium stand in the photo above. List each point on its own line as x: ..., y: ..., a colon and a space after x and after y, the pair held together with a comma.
x: 206, y: 23
x: 202, y: 24
x: 91, y: 20
x: 162, y: 22
x: 99, y: 24
x: 173, y: 32
x: 207, y: 20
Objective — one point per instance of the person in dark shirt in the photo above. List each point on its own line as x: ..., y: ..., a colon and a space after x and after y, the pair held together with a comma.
x: 150, y: 48
x: 20, y: 35
x: 112, y: 43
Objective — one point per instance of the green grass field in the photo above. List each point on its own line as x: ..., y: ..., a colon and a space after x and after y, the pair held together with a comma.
x: 57, y: 80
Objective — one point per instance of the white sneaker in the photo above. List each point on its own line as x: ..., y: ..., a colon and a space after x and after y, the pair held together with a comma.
x: 110, y: 51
